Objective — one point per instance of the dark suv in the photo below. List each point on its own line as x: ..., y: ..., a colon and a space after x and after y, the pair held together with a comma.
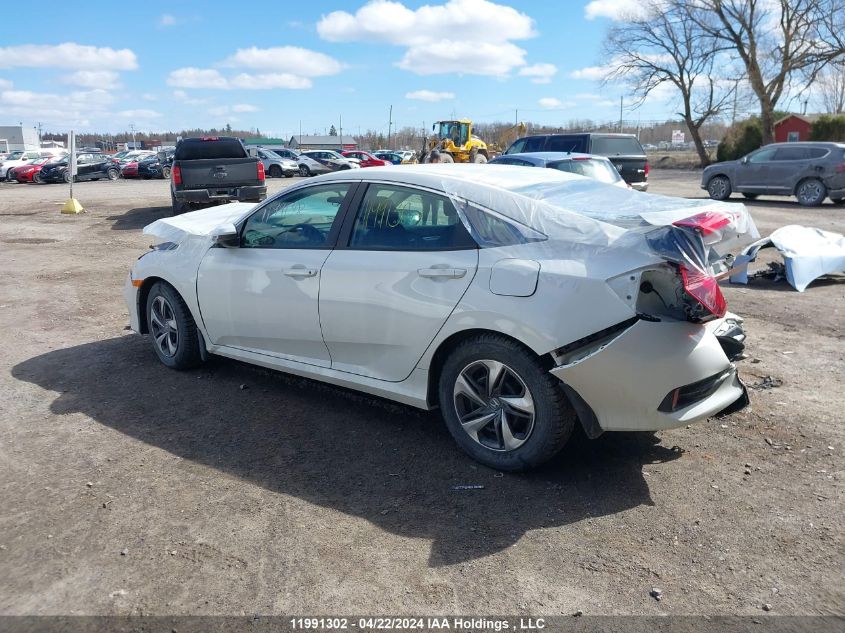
x: 809, y: 171
x: 623, y: 150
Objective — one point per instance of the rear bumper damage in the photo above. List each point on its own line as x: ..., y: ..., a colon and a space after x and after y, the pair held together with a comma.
x: 657, y: 375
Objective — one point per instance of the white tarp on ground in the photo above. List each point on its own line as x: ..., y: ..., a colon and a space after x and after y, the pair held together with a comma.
x: 808, y: 254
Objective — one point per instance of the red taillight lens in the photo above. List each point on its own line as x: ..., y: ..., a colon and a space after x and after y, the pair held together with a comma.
x: 705, y: 289
x: 647, y: 169
x: 840, y: 169
x: 260, y: 170
x: 176, y: 175
x: 707, y: 222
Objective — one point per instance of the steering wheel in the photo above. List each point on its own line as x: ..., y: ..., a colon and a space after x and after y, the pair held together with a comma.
x: 308, y: 231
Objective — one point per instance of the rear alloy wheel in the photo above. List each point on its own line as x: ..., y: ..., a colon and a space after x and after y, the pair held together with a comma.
x: 502, y: 406
x: 173, y: 332
x: 113, y: 174
x: 165, y: 173
x: 719, y: 188
x: 36, y: 178
x: 275, y: 171
x: 810, y: 192
x: 304, y: 171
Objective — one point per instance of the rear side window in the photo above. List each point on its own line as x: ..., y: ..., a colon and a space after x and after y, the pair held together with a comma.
x: 791, y: 153
x: 568, y: 143
x: 527, y: 144
x: 404, y: 219
x: 490, y: 230
x: 817, y: 152
x: 197, y: 149
x: 616, y: 145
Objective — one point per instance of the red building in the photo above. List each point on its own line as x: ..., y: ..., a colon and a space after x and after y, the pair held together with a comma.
x: 795, y: 127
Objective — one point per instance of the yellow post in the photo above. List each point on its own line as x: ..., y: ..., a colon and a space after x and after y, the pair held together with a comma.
x: 72, y: 206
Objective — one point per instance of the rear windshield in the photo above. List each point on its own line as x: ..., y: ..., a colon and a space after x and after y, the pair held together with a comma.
x: 596, y: 169
x: 198, y: 149
x: 614, y: 145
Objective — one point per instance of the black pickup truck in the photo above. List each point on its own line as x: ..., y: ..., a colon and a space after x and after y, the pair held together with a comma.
x: 214, y: 170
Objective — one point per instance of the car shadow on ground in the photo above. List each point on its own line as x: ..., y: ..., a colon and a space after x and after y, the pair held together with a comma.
x: 138, y: 218
x: 392, y: 465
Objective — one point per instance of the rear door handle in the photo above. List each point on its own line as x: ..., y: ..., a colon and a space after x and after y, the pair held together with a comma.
x: 442, y: 273
x: 300, y: 271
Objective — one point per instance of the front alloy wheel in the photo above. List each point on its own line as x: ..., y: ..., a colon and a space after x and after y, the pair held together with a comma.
x: 173, y: 332
x: 494, y: 405
x: 304, y: 171
x: 719, y: 188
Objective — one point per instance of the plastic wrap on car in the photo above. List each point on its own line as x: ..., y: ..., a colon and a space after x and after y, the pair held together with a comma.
x: 587, y: 221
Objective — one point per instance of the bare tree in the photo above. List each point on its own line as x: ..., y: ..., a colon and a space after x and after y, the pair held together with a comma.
x: 660, y: 45
x: 783, y: 44
x: 831, y: 88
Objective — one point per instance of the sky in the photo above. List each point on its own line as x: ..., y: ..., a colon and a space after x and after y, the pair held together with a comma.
x: 278, y: 65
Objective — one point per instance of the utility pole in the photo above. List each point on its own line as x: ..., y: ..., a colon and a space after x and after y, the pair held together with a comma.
x: 620, y: 113
x: 389, y: 126
x: 132, y: 127
x: 300, y: 133
x: 39, y: 134
x: 341, y: 132
x: 516, y: 118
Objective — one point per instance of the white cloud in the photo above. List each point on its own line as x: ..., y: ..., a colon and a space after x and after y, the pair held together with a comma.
x: 148, y: 96
x: 220, y: 111
x: 104, y: 79
x: 286, y: 59
x: 287, y: 67
x: 183, y: 97
x: 591, y: 96
x: 76, y: 108
x: 5, y: 84
x: 429, y: 95
x: 140, y: 113
x: 555, y: 104
x: 539, y: 73
x: 244, y: 107
x: 167, y: 20
x: 191, y: 77
x: 67, y: 55
x: 613, y: 9
x: 471, y: 58
x: 594, y: 73
x: 268, y: 81
x: 460, y: 36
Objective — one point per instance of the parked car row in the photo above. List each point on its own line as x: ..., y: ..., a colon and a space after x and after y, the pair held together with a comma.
x: 20, y: 158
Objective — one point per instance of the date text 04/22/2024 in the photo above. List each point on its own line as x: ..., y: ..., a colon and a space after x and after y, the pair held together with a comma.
x: 412, y: 623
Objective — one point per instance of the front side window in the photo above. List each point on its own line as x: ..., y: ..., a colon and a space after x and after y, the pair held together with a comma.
x: 761, y: 156
x: 404, y: 219
x: 300, y: 219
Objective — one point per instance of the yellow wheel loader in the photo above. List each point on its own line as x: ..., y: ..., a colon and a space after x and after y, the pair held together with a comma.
x: 456, y: 143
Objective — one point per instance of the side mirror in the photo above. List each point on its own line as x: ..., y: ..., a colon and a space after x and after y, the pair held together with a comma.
x: 744, y: 160
x: 226, y: 236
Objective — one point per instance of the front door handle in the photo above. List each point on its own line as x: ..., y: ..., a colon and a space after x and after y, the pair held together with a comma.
x: 442, y: 273
x: 300, y: 271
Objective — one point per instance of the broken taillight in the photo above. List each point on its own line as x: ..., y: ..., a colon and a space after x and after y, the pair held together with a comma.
x: 704, y: 288
x: 706, y: 222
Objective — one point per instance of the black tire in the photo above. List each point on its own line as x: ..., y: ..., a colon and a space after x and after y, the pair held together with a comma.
x: 446, y: 157
x: 113, y: 174
x: 165, y: 173
x: 179, y: 349
x: 751, y: 196
x: 275, y: 171
x: 553, y: 418
x: 810, y: 192
x: 480, y: 158
x: 95, y: 179
x: 719, y: 188
x: 304, y: 171
x: 67, y: 177
x: 178, y: 206
x: 36, y: 178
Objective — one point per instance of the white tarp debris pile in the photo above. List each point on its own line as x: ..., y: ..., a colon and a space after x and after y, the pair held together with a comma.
x: 808, y: 254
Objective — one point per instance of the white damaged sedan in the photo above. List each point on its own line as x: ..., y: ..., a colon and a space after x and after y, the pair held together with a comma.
x: 519, y: 301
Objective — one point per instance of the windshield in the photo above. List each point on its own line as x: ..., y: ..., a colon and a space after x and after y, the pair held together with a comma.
x: 454, y: 130
x: 14, y: 156
x: 591, y: 168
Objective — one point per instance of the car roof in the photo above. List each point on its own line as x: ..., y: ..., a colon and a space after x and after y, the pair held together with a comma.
x: 806, y: 144
x: 554, y: 156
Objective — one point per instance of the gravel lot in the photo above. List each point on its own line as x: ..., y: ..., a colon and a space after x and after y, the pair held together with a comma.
x: 128, y: 488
